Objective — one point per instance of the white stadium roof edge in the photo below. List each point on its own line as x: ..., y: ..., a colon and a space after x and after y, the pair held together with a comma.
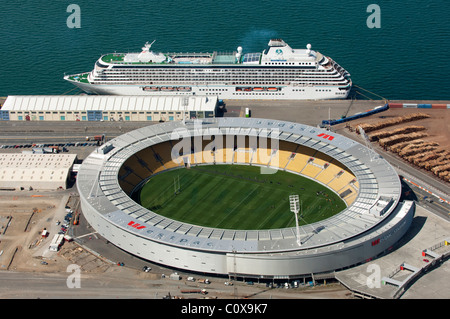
x: 376, y: 219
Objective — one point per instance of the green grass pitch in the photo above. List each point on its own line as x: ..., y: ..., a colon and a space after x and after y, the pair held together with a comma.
x: 237, y: 197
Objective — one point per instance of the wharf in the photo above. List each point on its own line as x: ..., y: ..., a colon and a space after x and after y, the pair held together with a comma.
x: 310, y: 112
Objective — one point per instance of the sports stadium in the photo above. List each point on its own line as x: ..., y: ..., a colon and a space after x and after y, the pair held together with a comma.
x: 245, y: 197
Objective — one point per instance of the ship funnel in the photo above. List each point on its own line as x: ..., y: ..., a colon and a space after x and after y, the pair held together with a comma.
x: 239, y: 54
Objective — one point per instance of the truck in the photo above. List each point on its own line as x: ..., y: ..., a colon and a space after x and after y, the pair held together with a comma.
x: 44, y: 233
x: 96, y: 138
x: 56, y: 243
x: 194, y: 291
x: 45, y: 150
x: 76, y: 220
x: 175, y: 276
x: 204, y: 281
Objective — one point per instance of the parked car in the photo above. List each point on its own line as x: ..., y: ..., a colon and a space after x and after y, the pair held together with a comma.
x: 146, y: 269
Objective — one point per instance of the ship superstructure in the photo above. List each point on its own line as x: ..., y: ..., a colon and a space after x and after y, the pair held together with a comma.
x: 278, y: 72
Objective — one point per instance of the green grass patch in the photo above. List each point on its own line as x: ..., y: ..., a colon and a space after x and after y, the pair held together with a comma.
x: 237, y: 197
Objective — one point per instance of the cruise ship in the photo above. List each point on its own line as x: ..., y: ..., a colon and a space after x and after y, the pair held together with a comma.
x: 278, y: 72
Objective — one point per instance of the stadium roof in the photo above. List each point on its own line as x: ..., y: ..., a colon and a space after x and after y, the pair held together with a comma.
x: 108, y: 103
x: 378, y: 196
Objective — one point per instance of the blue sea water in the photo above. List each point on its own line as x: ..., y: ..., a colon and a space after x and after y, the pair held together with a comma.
x: 406, y: 58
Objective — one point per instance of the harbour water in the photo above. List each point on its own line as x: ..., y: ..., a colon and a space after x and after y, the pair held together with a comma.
x: 405, y: 58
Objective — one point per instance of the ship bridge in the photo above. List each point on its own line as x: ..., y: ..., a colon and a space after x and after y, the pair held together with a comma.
x: 279, y: 52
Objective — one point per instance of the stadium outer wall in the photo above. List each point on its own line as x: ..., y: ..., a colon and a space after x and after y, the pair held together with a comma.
x: 107, y: 209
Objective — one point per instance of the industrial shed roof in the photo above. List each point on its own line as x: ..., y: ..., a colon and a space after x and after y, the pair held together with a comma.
x: 108, y: 103
x: 38, y: 171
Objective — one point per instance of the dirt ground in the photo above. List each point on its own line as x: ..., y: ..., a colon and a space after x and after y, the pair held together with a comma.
x: 23, y: 217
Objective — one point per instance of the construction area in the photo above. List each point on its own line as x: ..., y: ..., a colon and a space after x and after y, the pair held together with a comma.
x: 418, y: 137
x: 28, y: 224
x: 26, y: 227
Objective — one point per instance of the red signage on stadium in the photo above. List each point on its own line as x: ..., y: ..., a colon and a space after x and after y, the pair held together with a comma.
x: 135, y: 225
x: 326, y: 136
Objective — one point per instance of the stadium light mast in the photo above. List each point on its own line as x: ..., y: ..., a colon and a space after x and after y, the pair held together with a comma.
x: 294, y: 203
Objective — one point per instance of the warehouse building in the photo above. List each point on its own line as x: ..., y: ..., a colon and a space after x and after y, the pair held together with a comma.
x: 106, y: 108
x: 20, y: 171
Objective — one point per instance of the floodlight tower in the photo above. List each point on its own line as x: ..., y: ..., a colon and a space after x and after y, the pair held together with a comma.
x: 294, y: 203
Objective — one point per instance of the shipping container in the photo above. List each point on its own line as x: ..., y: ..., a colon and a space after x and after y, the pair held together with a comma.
x: 438, y: 106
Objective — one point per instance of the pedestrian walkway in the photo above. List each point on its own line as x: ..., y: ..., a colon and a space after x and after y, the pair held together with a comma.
x: 413, y: 258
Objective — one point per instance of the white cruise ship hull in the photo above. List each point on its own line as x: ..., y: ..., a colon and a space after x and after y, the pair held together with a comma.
x: 277, y: 73
x: 222, y: 92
